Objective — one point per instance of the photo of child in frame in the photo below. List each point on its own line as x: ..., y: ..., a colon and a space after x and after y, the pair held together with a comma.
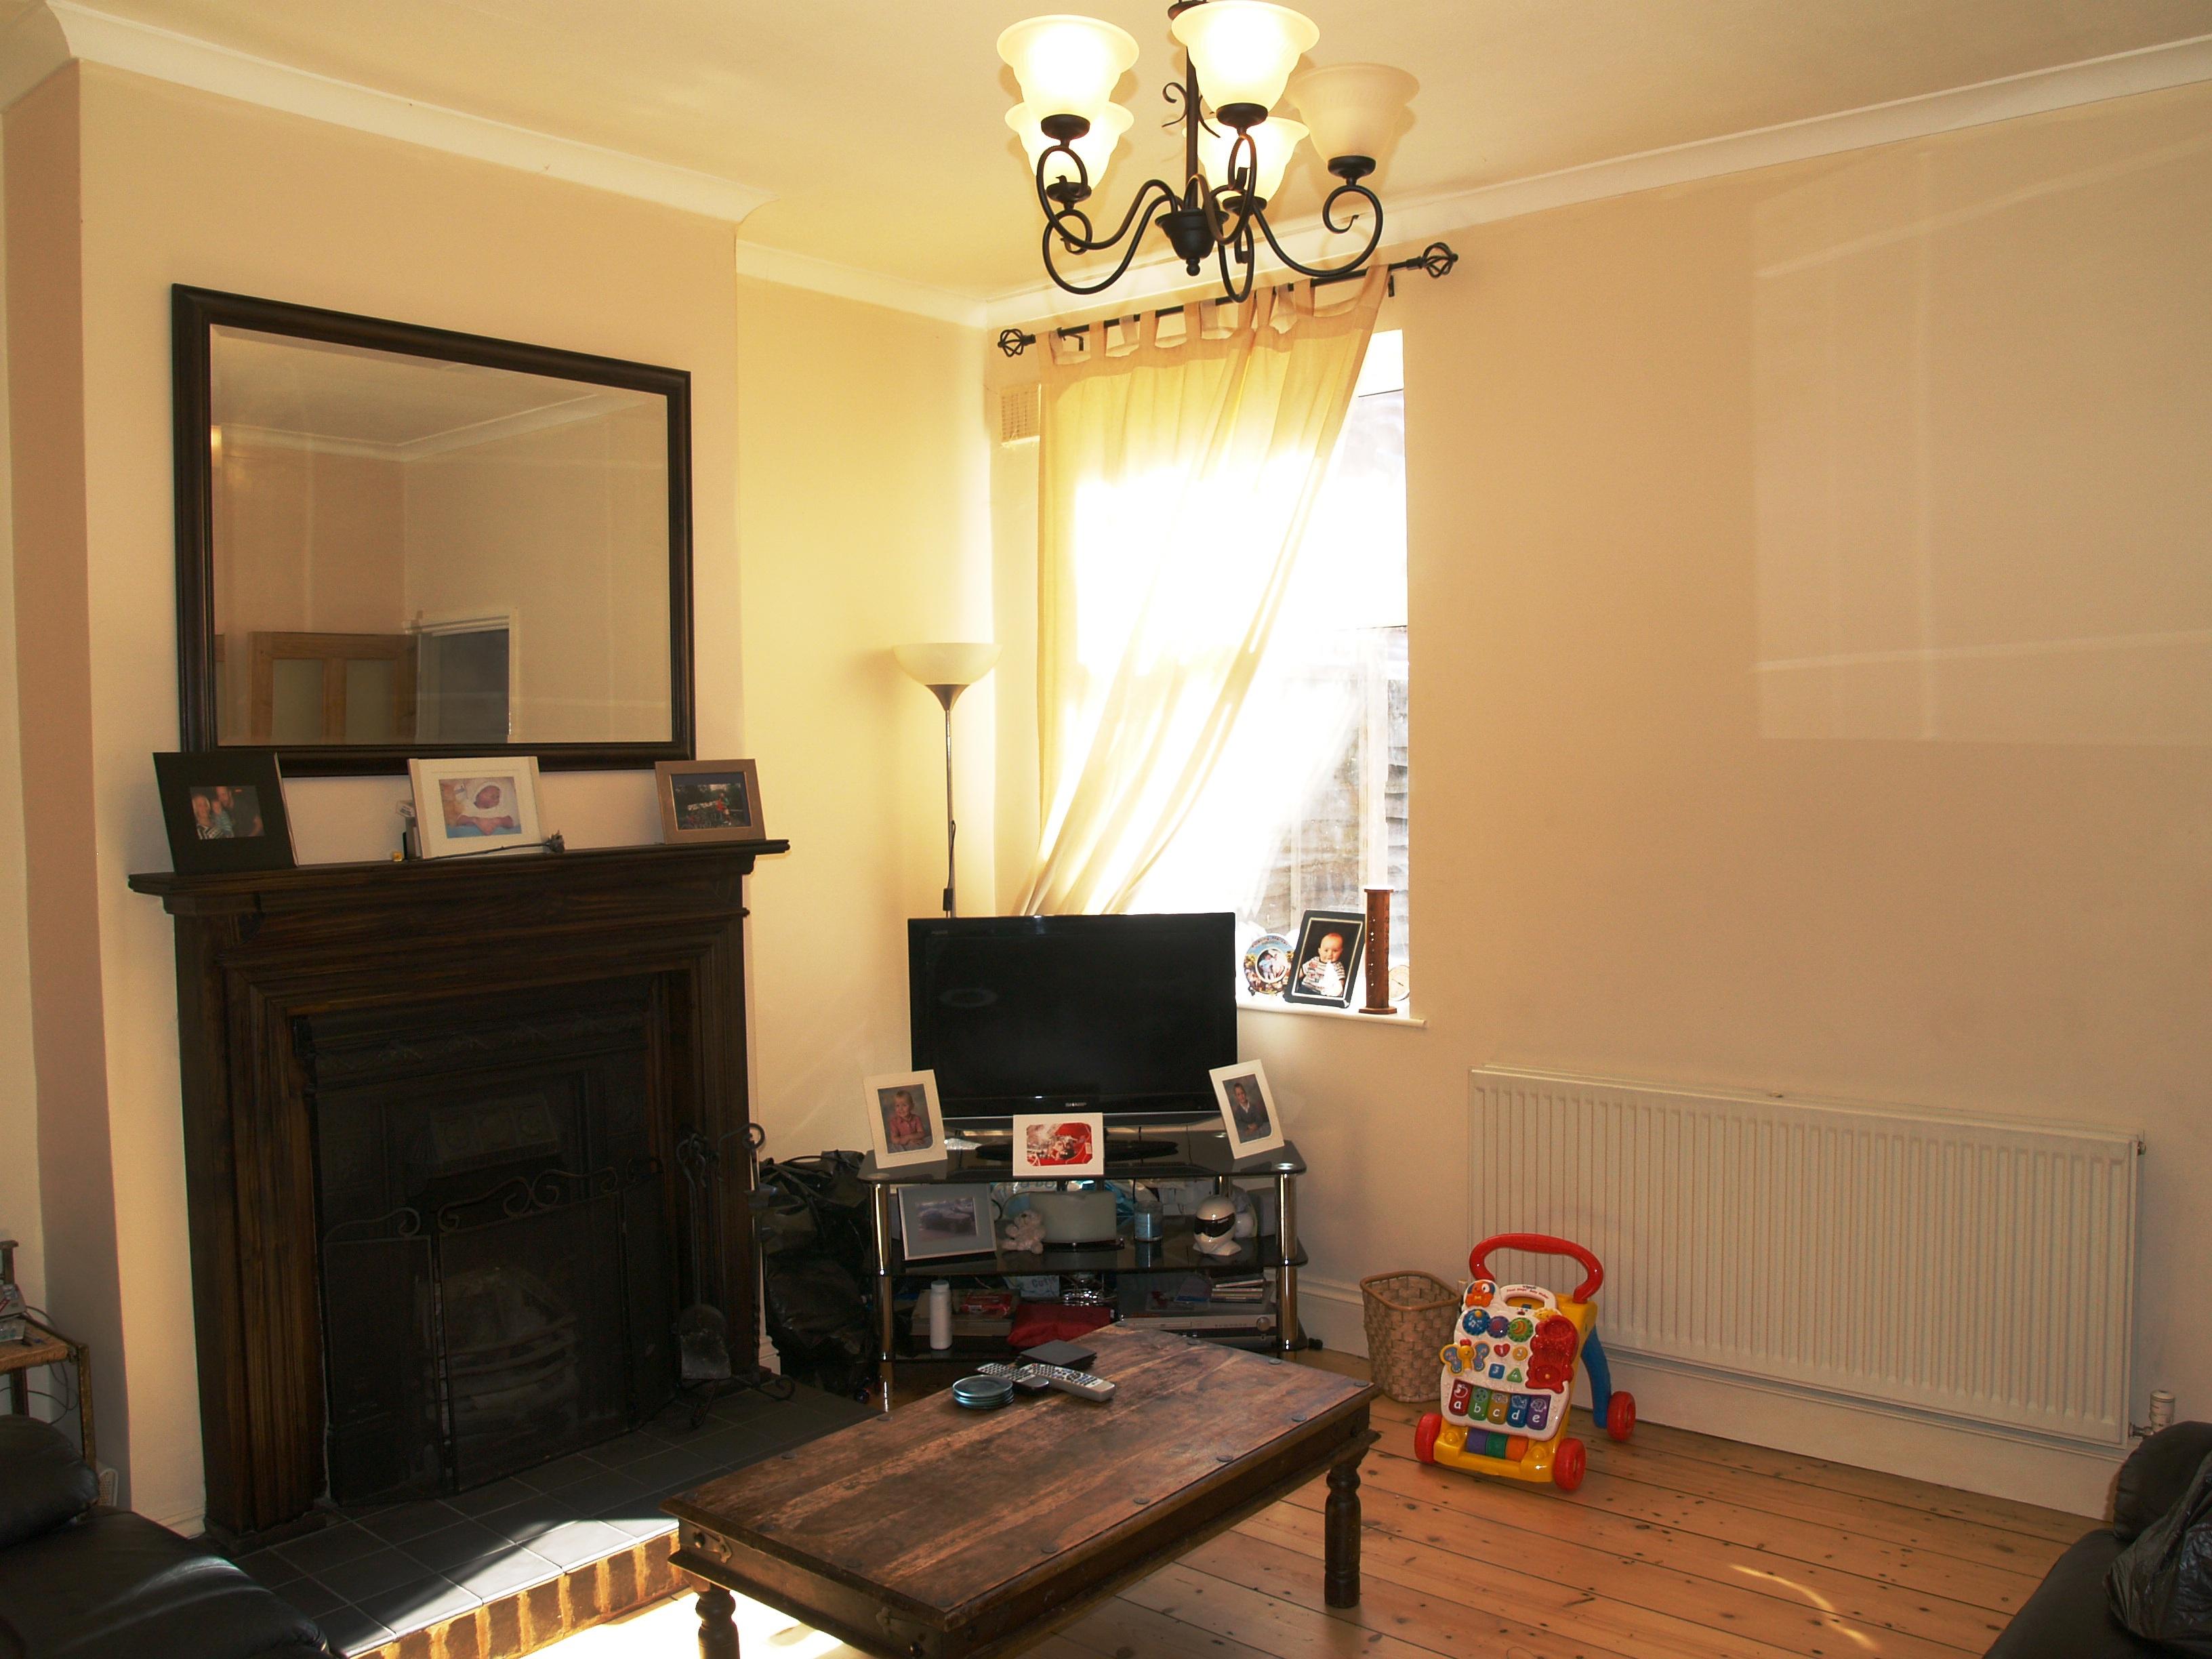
x: 1327, y: 960
x: 906, y: 1127
x: 478, y: 807
x: 1247, y: 1111
x: 226, y: 812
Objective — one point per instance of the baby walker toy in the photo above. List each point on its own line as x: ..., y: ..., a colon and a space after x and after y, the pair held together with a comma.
x: 1509, y: 1374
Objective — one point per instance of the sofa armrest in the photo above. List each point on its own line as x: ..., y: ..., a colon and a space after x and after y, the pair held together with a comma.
x: 43, y: 1482
x: 2156, y: 1474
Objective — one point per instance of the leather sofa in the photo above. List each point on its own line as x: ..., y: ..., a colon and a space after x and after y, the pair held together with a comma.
x: 78, y: 1581
x: 2067, y: 1617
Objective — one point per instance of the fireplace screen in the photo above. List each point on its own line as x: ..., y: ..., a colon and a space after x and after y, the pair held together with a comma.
x: 498, y: 1287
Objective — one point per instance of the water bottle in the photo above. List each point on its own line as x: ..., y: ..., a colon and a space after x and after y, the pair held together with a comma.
x: 940, y: 1314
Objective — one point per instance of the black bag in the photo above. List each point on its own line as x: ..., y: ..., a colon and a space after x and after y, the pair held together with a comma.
x: 2160, y: 1586
x: 816, y: 1229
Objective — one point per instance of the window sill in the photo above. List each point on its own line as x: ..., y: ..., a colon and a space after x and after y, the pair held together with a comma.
x: 1403, y: 1018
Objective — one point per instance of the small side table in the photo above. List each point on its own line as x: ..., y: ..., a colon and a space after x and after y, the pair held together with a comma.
x: 41, y: 1346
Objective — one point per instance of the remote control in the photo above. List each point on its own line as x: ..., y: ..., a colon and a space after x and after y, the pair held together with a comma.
x: 1036, y: 1379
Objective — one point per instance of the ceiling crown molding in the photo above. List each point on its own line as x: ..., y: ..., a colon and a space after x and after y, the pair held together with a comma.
x: 97, y: 36
x: 775, y: 265
x: 2151, y: 69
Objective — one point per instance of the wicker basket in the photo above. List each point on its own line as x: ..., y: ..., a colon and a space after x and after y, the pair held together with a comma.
x: 1409, y: 1320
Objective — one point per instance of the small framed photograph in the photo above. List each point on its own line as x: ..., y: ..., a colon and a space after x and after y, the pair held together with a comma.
x: 1248, y: 1111
x: 1325, y: 970
x: 1053, y: 1146
x: 905, y: 1123
x: 224, y: 811
x: 940, y: 1221
x: 476, y: 805
x: 710, y: 800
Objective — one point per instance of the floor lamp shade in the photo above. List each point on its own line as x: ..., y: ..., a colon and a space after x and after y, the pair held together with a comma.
x: 947, y: 670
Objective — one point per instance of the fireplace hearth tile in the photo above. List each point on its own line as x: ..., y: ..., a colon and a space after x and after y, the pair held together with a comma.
x: 451, y: 1546
x: 420, y: 1602
x: 366, y: 1576
x: 327, y: 1548
x: 383, y: 1572
x: 402, y: 1521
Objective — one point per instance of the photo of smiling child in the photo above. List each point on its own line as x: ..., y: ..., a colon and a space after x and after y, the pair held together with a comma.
x: 1328, y: 958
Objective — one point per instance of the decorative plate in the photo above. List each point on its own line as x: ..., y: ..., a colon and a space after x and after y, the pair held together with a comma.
x: 1267, y: 965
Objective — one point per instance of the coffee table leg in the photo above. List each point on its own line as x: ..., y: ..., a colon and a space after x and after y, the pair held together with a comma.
x: 1341, y: 1585
x: 718, y: 1629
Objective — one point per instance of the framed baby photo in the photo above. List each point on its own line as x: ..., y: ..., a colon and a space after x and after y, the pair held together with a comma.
x: 705, y: 800
x: 1248, y: 1111
x: 905, y: 1123
x: 941, y: 1221
x: 224, y: 811
x: 476, y: 805
x: 1325, y: 967
x: 1052, y: 1146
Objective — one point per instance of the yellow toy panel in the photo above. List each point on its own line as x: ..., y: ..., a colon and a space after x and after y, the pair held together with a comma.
x: 1507, y: 1384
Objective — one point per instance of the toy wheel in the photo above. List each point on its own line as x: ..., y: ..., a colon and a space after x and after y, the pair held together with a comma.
x: 1425, y: 1436
x: 1567, y: 1464
x: 1620, y: 1416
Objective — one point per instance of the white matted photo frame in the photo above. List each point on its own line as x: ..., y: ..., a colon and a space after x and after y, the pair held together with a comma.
x: 1325, y: 965
x: 906, y: 1126
x: 1248, y: 1107
x: 477, y: 805
x: 943, y: 1221
x: 1057, y: 1145
x: 703, y: 800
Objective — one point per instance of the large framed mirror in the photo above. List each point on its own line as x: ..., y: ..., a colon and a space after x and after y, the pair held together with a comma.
x: 395, y: 541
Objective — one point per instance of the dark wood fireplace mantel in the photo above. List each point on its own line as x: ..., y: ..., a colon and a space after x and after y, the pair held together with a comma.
x: 258, y: 954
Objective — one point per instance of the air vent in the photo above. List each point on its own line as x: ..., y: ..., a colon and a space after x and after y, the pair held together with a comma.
x: 1018, y: 414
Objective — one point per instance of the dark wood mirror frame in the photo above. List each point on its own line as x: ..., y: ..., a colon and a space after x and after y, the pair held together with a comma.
x: 193, y: 313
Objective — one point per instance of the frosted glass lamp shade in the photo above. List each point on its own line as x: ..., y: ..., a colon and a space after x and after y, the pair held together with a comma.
x: 1354, y: 109
x: 1096, y: 147
x: 933, y: 666
x: 1274, y: 140
x: 1067, y: 66
x: 1243, y: 50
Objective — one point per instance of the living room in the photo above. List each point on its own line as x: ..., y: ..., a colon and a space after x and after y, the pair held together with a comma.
x: 1805, y: 583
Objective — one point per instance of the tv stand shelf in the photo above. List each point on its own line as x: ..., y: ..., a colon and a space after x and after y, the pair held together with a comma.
x: 1190, y: 1155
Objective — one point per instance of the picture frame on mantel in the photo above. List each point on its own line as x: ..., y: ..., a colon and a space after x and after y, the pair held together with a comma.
x: 224, y: 811
x: 708, y: 800
x: 479, y: 804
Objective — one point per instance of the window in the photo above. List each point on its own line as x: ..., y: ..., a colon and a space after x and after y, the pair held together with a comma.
x: 1308, y: 806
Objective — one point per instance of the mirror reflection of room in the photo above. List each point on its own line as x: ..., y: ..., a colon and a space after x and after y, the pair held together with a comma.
x: 409, y: 550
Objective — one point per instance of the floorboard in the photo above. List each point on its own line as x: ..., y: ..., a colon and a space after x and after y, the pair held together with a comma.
x: 1677, y: 1546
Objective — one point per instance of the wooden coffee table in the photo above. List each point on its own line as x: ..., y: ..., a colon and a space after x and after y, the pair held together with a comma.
x: 939, y: 1533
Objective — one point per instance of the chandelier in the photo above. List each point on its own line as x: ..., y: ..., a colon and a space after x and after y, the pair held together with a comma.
x: 1238, y: 138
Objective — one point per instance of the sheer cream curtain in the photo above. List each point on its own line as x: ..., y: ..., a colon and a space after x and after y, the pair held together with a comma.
x: 1175, y: 484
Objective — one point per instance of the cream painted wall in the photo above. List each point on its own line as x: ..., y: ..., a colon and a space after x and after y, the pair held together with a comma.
x: 863, y: 504
x: 20, y: 1214
x: 861, y: 466
x: 1744, y: 518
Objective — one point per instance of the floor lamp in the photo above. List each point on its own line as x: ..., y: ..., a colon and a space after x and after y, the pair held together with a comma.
x: 947, y: 670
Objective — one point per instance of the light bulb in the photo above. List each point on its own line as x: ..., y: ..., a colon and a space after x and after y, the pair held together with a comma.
x: 1243, y: 50
x: 1273, y: 141
x: 1067, y: 66
x: 1354, y: 109
x: 1096, y: 147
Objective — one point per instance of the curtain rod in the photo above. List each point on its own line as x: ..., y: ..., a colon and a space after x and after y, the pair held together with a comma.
x: 1436, y: 258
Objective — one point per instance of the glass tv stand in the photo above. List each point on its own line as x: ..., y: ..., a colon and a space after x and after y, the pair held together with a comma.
x: 1134, y: 1157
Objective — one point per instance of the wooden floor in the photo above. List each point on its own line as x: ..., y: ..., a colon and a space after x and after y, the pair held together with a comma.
x: 1677, y: 1546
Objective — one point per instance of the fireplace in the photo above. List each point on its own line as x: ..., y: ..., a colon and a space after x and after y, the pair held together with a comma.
x: 442, y: 1200
x: 498, y: 1274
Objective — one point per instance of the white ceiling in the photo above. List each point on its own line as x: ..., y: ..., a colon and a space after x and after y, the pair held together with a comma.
x: 877, y: 125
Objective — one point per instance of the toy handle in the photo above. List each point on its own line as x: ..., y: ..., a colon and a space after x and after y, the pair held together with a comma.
x: 1543, y: 1245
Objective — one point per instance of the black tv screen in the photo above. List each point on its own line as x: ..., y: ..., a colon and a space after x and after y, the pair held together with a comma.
x: 1120, y: 1014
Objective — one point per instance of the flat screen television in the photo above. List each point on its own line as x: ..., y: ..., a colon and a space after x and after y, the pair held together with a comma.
x: 1120, y: 1014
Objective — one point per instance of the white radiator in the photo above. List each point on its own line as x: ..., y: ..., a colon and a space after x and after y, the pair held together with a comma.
x: 1938, y: 1264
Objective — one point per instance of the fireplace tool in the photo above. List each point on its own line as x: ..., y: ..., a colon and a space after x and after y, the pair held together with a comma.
x: 702, y: 1331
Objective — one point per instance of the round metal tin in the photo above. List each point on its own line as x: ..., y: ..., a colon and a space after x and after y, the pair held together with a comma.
x: 982, y: 1393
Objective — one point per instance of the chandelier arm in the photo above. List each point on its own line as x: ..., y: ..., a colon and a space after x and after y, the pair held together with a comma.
x: 1082, y: 191
x: 1374, y: 237
x: 1090, y: 242
x: 1228, y: 281
x: 1164, y: 199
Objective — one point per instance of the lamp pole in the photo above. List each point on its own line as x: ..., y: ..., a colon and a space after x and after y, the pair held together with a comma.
x: 949, y: 694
